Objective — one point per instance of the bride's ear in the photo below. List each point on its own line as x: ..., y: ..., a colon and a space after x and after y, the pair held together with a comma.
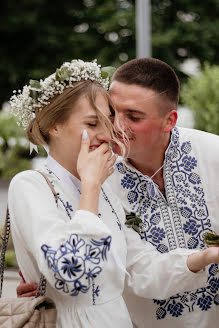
x: 55, y: 131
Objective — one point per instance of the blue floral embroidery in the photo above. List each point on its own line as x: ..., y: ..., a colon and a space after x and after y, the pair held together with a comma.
x: 203, y: 298
x: 191, y: 227
x: 204, y: 302
x: 69, y: 206
x: 192, y: 243
x: 128, y: 181
x: 76, y: 264
x: 190, y: 219
x: 213, y: 285
x: 71, y: 265
x: 157, y: 234
x: 175, y: 308
x: 188, y: 163
x: 155, y: 218
x: 105, y: 244
x: 132, y: 197
x: 162, y: 248
x: 120, y: 168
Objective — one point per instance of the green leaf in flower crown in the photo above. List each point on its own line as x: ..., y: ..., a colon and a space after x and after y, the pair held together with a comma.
x: 35, y: 89
x: 107, y: 71
x: 35, y: 85
x: 63, y: 74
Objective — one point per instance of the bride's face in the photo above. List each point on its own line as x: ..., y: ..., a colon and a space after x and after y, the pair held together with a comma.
x: 67, y: 136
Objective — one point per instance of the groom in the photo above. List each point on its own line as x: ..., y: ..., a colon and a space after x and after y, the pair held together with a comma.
x: 170, y: 181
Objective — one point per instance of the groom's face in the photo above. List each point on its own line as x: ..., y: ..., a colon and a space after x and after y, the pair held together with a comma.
x: 138, y: 113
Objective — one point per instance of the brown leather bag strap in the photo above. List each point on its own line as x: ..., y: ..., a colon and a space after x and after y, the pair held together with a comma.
x: 4, y: 238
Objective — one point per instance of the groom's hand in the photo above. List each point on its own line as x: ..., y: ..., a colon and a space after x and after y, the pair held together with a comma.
x: 26, y: 289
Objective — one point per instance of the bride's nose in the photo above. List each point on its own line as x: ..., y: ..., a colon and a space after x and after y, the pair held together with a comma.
x: 103, y: 135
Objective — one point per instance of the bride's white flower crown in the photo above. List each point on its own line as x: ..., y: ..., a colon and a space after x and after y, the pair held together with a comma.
x: 37, y: 93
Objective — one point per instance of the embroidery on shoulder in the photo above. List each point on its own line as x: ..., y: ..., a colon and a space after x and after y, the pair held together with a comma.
x: 76, y: 263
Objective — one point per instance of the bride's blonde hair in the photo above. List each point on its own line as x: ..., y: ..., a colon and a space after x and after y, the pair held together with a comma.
x: 60, y: 108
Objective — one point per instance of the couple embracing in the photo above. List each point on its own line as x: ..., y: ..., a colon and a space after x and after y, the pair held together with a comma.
x: 90, y: 258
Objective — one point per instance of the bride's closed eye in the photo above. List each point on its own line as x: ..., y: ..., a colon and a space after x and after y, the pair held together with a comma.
x: 92, y: 124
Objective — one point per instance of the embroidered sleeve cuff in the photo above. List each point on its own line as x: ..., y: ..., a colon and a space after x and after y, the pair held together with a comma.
x: 194, y: 279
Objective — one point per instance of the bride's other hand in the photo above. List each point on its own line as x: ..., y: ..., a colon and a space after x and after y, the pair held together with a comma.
x: 94, y: 166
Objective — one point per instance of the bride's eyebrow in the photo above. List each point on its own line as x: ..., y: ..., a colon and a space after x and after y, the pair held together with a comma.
x: 91, y: 116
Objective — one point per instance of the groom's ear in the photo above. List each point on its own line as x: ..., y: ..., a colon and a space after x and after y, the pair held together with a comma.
x: 170, y: 121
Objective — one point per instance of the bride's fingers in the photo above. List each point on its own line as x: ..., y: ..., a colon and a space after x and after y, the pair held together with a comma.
x: 111, y: 158
x: 85, y: 143
x: 103, y: 148
x: 111, y: 170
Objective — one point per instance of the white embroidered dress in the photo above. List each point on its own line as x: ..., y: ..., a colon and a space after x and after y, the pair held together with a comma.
x: 191, y: 209
x: 83, y: 256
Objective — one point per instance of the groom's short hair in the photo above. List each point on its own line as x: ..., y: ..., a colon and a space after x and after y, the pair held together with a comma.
x: 150, y: 73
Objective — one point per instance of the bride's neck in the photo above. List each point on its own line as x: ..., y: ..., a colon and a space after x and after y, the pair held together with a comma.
x: 70, y: 164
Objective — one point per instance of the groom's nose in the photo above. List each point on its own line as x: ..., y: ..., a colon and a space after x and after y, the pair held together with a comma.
x: 119, y: 122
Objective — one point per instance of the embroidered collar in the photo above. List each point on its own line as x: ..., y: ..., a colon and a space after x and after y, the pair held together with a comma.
x: 153, y: 189
x: 172, y: 148
x: 171, y: 152
x: 69, y: 179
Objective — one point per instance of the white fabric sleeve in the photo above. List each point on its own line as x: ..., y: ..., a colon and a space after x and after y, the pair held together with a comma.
x: 152, y: 274
x: 68, y: 252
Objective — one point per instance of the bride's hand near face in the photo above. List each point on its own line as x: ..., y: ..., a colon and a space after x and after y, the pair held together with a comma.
x: 93, y: 167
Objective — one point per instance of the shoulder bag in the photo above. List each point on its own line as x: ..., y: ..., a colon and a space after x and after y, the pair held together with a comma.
x: 25, y: 312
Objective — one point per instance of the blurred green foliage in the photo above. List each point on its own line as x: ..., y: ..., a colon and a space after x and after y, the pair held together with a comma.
x: 10, y: 257
x: 38, y: 35
x: 201, y: 95
x: 185, y: 29
x: 14, y: 147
